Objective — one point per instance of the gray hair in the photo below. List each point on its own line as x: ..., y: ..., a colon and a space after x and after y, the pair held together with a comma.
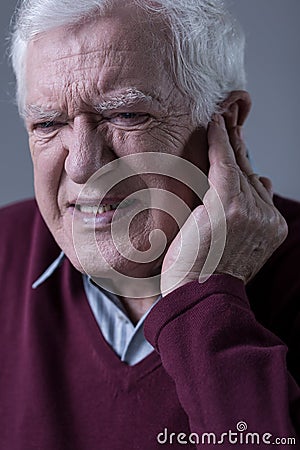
x: 206, y: 51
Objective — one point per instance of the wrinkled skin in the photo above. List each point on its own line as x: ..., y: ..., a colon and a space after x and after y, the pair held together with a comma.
x: 69, y: 71
x: 255, y: 228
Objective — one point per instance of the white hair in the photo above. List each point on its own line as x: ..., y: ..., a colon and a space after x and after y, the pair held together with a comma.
x: 206, y: 50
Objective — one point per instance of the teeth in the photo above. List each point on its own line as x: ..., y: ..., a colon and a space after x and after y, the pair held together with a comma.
x: 102, y: 208
x: 96, y: 209
x: 87, y: 209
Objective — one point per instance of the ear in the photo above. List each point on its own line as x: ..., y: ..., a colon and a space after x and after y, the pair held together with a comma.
x: 235, y: 108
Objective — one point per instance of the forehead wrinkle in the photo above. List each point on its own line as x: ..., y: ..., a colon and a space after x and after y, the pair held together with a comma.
x: 127, y: 98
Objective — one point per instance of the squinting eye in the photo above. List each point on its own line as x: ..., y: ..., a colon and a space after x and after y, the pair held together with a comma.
x: 128, y: 115
x: 129, y: 119
x: 47, y: 127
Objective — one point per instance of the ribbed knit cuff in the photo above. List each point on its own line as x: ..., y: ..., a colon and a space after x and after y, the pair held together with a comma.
x: 186, y: 297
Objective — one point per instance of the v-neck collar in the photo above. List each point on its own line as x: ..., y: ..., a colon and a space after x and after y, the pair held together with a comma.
x: 125, y: 375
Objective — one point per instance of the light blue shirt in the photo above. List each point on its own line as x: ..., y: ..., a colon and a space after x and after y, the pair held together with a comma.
x: 126, y: 339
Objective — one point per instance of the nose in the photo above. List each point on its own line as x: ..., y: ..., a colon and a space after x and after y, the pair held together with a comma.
x: 87, y: 150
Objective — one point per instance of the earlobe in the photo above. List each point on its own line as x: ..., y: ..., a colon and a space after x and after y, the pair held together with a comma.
x: 235, y: 108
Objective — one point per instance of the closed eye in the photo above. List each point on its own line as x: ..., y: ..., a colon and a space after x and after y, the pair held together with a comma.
x: 45, y: 125
x: 128, y: 118
x: 48, y: 126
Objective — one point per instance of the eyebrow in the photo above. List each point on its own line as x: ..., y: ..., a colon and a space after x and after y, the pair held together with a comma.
x: 40, y: 113
x: 126, y: 98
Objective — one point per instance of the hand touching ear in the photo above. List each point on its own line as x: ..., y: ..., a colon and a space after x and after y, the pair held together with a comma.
x: 255, y: 228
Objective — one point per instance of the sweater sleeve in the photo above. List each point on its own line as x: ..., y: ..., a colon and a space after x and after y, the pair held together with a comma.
x: 230, y: 372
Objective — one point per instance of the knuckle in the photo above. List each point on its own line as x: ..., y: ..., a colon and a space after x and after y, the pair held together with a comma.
x: 238, y: 212
x: 266, y: 221
x: 233, y: 168
x: 282, y: 228
x: 240, y: 151
x: 229, y: 169
x: 277, y: 229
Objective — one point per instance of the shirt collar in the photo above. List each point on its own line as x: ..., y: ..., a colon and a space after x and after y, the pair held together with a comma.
x: 49, y: 271
x: 58, y: 262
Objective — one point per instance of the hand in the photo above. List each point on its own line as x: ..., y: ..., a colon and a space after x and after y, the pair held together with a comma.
x: 255, y: 228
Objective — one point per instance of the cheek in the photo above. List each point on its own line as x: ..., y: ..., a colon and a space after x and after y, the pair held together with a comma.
x: 170, y: 202
x: 160, y: 137
x: 168, y: 222
x: 196, y: 149
x: 172, y: 192
x: 48, y: 163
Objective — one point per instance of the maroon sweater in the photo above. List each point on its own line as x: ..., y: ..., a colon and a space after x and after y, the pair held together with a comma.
x: 218, y: 360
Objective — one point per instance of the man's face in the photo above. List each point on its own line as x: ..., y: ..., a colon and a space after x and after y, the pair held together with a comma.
x: 96, y: 93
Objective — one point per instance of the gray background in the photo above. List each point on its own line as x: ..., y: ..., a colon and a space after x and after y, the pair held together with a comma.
x: 272, y: 131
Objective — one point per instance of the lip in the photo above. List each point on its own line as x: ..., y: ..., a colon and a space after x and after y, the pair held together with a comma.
x: 95, y: 201
x: 99, y: 221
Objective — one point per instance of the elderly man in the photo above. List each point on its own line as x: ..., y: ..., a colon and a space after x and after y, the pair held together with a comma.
x: 126, y: 104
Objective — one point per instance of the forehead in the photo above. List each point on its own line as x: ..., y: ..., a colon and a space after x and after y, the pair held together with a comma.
x: 106, y: 54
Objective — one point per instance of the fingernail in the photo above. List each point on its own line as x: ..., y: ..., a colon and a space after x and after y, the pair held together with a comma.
x: 216, y: 118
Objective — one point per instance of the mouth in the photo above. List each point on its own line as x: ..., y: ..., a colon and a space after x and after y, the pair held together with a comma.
x: 99, y: 209
x: 101, y: 215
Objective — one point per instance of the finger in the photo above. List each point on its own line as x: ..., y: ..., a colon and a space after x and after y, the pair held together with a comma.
x: 240, y: 151
x: 224, y: 173
x: 220, y: 150
x: 261, y: 184
x: 267, y: 183
x: 237, y: 151
x: 229, y: 165
x: 231, y: 116
x: 238, y: 144
x: 264, y: 190
x: 263, y: 187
